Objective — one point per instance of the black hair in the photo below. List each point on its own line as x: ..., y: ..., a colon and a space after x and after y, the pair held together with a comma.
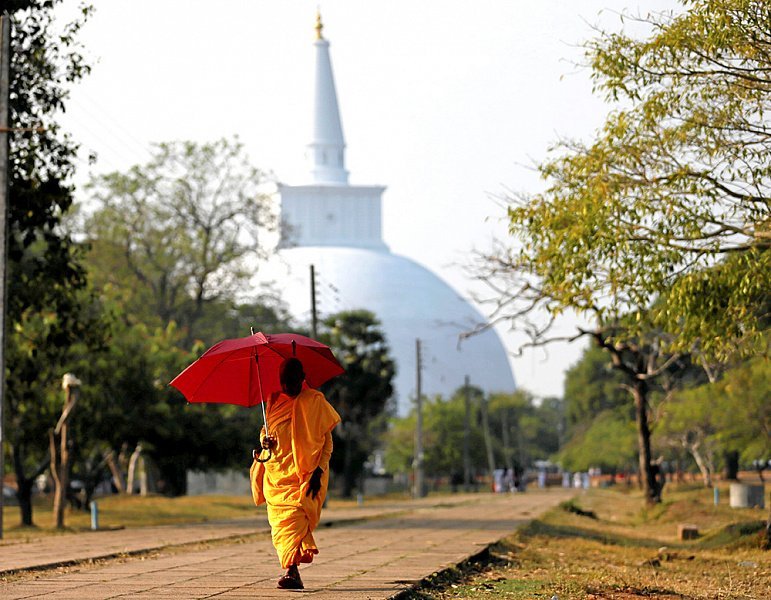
x: 292, y: 376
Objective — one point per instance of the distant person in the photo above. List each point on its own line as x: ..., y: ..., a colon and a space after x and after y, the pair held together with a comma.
x: 508, y: 481
x: 498, y: 480
x: 293, y: 482
x: 659, y: 475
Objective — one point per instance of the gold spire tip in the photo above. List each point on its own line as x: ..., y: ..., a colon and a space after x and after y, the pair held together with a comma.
x: 319, y: 25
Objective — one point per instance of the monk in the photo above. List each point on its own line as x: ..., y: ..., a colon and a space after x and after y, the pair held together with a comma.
x: 293, y: 482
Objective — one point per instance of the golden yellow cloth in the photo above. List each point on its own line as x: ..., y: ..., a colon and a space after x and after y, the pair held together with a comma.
x: 302, y: 427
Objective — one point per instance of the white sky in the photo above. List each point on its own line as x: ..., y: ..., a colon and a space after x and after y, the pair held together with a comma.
x: 447, y: 103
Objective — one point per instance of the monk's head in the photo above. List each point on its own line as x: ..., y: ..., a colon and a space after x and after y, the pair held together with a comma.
x: 292, y: 376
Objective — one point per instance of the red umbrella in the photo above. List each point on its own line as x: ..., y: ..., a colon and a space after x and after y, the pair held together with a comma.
x: 245, y: 371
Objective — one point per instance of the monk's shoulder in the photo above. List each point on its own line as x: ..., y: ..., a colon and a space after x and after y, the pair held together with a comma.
x: 312, y: 396
x: 315, y: 401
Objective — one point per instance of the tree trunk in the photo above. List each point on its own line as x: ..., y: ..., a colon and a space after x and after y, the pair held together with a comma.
x: 132, y: 469
x: 731, y: 465
x: 705, y: 466
x: 59, y: 473
x: 650, y: 483
x: 115, y: 470
x: 144, y: 482
x: 24, y: 484
x: 24, y: 496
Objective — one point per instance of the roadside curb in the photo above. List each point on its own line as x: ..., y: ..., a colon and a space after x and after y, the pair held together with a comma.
x: 443, y: 578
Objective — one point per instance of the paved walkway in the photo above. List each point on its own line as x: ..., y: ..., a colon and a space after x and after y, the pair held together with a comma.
x: 50, y: 551
x: 376, y: 558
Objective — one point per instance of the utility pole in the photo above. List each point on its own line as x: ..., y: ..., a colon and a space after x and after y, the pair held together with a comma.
x: 5, y: 85
x: 467, y: 437
x: 488, y: 441
x: 419, y: 486
x: 315, y: 323
x: 508, y: 451
x: 314, y: 316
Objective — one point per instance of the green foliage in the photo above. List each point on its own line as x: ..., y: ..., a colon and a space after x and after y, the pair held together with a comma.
x: 545, y: 427
x: 399, y: 443
x: 50, y: 312
x: 672, y: 197
x: 733, y: 414
x: 607, y: 442
x: 362, y: 394
x: 169, y: 244
x: 228, y: 318
x: 173, y: 245
x: 443, y: 431
x: 657, y: 229
x: 593, y: 386
x: 443, y: 425
x: 182, y: 229
x: 521, y: 432
x: 126, y: 400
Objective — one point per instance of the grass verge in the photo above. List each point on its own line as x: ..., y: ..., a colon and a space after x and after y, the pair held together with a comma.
x: 132, y: 511
x: 622, y: 552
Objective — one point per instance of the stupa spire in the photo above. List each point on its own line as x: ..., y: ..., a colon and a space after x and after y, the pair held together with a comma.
x: 326, y: 150
x: 319, y: 26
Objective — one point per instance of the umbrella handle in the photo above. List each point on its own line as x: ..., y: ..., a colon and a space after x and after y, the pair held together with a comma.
x: 256, y: 455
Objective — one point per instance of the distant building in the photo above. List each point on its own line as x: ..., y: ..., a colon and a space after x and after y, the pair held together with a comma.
x: 336, y: 227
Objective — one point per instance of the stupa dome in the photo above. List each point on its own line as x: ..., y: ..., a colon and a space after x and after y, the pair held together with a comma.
x: 336, y: 227
x: 411, y: 303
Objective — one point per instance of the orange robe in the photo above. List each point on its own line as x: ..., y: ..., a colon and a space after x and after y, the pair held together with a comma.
x: 303, y: 430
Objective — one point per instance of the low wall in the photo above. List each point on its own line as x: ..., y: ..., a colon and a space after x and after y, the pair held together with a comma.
x: 224, y: 483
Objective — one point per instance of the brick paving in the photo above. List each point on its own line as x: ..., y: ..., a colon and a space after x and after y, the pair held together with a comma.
x: 375, y: 558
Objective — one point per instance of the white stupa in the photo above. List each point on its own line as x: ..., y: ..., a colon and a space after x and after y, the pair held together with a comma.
x: 336, y: 227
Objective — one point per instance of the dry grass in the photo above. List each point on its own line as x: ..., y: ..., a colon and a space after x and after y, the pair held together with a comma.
x: 625, y: 553
x: 133, y: 511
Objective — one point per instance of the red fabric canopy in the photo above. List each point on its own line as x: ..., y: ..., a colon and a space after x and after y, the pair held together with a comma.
x: 245, y: 371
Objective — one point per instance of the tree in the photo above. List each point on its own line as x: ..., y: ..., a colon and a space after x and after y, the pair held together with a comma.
x: 520, y: 432
x: 730, y: 416
x: 362, y: 394
x: 126, y: 401
x: 672, y: 197
x: 185, y: 228
x: 658, y: 229
x: 444, y: 421
x: 549, y: 427
x: 592, y: 386
x: 49, y: 309
x: 687, y: 423
x: 608, y: 442
x: 173, y: 245
x: 599, y: 414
